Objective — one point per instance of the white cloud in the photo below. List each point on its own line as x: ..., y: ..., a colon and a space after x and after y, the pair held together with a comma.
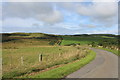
x: 98, y: 12
x: 105, y: 32
x: 99, y: 9
x: 17, y: 16
x: 88, y: 25
x: 55, y: 17
x: 105, y: 0
x: 68, y: 26
x: 42, y: 11
x: 59, y: 0
x: 18, y: 22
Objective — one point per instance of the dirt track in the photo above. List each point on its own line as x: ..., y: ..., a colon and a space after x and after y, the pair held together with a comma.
x: 105, y: 65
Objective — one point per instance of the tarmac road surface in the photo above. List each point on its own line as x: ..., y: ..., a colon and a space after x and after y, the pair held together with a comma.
x: 105, y: 65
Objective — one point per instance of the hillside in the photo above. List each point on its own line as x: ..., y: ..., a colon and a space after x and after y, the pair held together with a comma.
x: 12, y: 40
x: 21, y: 51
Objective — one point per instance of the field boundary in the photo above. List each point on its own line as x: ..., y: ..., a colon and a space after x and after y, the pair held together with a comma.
x: 61, y: 72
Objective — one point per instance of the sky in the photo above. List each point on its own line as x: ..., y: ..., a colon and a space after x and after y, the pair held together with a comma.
x: 60, y: 17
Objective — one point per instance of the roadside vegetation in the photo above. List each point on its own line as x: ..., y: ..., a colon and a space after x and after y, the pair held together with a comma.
x: 63, y: 71
x: 111, y: 50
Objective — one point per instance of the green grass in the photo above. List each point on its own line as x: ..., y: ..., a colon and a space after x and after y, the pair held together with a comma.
x: 111, y: 50
x: 63, y: 71
x: 106, y: 37
x: 30, y: 45
x: 72, y: 39
x: 52, y: 55
x: 84, y: 40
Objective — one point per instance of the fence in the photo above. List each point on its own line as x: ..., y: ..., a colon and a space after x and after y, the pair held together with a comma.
x: 40, y: 60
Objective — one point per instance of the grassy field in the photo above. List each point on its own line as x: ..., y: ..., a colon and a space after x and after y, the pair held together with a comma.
x: 23, y: 55
x: 29, y: 39
x: 21, y: 52
x: 52, y: 55
x: 82, y: 40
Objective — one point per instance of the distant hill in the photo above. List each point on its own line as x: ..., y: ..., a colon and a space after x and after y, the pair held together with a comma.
x: 33, y: 38
x: 50, y: 39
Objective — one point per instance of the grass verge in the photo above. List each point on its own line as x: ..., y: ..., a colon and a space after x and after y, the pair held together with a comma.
x: 63, y: 71
x: 111, y: 50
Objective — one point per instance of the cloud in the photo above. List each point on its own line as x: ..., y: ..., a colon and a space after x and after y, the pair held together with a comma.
x: 87, y: 25
x: 98, y: 9
x: 41, y: 11
x: 60, y: 0
x: 51, y: 18
x: 59, y: 18
x: 19, y: 22
x: 104, y: 32
x: 98, y: 12
x: 68, y: 26
x: 105, y: 0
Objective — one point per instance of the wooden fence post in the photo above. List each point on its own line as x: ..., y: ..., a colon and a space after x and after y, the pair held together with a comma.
x: 22, y: 60
x: 11, y: 61
x: 40, y: 57
x: 59, y: 54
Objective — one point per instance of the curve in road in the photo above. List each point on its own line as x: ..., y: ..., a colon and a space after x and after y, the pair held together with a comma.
x: 105, y: 65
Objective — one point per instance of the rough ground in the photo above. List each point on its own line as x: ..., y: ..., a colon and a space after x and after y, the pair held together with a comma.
x: 105, y: 65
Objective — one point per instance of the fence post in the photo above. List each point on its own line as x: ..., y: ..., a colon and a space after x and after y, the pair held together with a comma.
x: 21, y: 60
x: 59, y: 54
x: 11, y: 61
x: 40, y: 57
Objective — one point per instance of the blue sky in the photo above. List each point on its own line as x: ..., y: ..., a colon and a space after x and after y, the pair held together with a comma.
x: 60, y: 18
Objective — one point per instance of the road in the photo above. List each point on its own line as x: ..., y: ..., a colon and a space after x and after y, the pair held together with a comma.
x: 105, y: 65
